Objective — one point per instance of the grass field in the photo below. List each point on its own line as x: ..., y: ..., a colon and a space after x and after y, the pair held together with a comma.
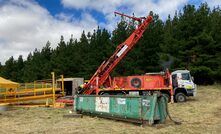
x: 198, y: 115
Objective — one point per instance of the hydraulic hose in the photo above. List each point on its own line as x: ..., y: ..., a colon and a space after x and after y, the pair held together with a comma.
x: 168, y: 113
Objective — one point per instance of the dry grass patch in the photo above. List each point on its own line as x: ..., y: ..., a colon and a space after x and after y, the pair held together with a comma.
x: 199, y: 115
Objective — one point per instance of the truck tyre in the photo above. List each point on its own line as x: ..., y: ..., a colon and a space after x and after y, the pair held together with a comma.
x: 167, y: 96
x: 135, y: 82
x: 180, y: 97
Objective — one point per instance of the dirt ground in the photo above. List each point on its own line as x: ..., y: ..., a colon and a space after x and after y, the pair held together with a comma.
x: 198, y: 115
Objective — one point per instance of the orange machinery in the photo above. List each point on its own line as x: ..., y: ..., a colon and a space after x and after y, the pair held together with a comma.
x: 101, y: 77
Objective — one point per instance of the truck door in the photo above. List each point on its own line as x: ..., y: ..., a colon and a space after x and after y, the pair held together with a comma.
x: 186, y: 81
x: 174, y: 80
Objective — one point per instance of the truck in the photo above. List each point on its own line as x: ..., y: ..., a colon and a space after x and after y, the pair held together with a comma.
x: 178, y: 84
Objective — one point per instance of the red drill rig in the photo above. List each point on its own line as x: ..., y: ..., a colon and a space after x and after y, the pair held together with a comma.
x: 178, y: 84
x: 101, y: 77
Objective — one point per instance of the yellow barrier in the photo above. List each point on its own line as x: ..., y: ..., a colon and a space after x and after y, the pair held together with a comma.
x: 43, y: 89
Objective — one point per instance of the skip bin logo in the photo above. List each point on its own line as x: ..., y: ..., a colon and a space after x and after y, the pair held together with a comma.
x: 121, y: 101
x: 146, y: 103
x: 102, y: 104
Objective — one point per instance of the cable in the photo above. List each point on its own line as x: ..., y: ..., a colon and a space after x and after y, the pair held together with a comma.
x: 167, y: 110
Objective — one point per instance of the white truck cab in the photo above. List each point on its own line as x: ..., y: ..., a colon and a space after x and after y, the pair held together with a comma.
x: 183, y: 85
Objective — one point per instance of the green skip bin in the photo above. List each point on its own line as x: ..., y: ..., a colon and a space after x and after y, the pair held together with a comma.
x: 140, y: 109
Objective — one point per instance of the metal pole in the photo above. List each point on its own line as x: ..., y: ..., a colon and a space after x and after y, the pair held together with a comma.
x: 97, y: 79
x: 53, y: 87
x: 62, y: 84
x: 171, y: 90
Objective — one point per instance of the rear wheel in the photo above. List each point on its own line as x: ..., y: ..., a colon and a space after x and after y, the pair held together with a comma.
x: 167, y: 96
x: 180, y: 97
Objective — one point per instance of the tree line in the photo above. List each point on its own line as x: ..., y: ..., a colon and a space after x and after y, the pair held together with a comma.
x: 189, y: 40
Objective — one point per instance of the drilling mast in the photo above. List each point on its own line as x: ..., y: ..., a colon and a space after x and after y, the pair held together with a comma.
x: 102, y: 76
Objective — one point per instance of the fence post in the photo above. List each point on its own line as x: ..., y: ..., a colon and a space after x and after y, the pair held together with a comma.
x: 53, y: 87
x: 62, y: 84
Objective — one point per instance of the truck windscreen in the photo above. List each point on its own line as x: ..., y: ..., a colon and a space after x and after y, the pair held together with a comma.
x: 185, y: 76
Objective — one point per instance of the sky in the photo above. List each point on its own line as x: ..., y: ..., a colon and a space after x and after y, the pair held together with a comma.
x: 29, y: 24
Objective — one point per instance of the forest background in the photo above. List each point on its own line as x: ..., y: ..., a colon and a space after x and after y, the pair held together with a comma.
x: 189, y: 40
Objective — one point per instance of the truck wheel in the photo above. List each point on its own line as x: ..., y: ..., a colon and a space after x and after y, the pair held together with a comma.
x: 180, y: 97
x: 167, y: 96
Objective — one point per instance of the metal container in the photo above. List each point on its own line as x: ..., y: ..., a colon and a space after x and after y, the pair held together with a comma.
x: 140, y: 109
x: 71, y: 84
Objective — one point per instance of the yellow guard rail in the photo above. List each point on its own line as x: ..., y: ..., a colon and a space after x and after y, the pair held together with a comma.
x: 43, y: 89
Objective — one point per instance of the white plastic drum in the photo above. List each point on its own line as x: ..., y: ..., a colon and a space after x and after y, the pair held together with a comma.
x: 4, y: 107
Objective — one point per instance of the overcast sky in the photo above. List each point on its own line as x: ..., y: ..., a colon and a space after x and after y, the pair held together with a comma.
x: 29, y: 24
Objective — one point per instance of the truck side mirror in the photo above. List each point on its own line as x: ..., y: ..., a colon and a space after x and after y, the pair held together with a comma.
x: 192, y: 78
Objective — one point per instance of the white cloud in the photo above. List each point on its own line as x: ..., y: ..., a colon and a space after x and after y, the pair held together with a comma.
x: 24, y: 25
x: 140, y: 8
x: 100, y: 5
x: 213, y: 3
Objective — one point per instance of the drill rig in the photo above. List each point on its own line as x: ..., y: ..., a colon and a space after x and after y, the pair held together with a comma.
x: 101, y: 77
x: 178, y: 84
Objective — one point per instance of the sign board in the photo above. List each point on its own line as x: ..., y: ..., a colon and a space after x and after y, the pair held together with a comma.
x: 81, y: 99
x: 102, y: 104
x: 121, y: 101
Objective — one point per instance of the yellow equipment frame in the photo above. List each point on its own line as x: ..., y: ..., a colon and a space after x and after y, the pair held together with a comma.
x: 37, y: 90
